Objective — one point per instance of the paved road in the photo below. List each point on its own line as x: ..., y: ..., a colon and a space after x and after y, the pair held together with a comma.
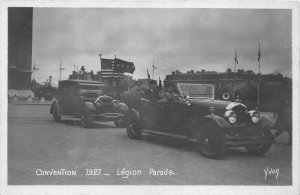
x: 37, y: 144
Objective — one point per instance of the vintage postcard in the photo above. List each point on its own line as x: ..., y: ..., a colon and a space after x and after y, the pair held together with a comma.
x: 149, y: 97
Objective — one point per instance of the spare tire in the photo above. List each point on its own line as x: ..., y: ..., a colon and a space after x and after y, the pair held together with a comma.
x: 226, y: 96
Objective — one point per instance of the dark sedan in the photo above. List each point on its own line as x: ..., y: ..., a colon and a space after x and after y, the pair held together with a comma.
x: 86, y: 100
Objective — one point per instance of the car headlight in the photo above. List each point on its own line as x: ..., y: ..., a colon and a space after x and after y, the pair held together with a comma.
x: 255, y: 116
x: 231, y: 115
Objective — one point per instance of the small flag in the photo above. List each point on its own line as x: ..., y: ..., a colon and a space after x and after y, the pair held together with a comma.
x: 34, y: 67
x: 258, y: 58
x: 235, y: 58
x: 148, y: 74
x: 160, y: 84
x: 153, y: 65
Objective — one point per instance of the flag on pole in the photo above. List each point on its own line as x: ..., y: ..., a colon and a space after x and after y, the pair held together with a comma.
x: 148, y: 74
x: 160, y: 84
x: 153, y: 65
x: 117, y: 65
x: 34, y: 67
x: 258, y: 58
x: 235, y: 58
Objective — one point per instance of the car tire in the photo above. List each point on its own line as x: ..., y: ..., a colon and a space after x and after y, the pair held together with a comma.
x: 55, y: 114
x: 211, y: 141
x: 261, y: 148
x: 86, y: 120
x: 133, y: 130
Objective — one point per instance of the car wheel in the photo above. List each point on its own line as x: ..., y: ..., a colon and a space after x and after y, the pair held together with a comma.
x: 133, y: 130
x: 261, y: 148
x: 56, y: 115
x: 211, y: 141
x: 86, y: 119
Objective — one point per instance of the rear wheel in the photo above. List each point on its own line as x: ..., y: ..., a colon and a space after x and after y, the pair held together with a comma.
x: 86, y: 119
x: 133, y: 130
x: 56, y: 115
x: 211, y: 141
x: 260, y: 149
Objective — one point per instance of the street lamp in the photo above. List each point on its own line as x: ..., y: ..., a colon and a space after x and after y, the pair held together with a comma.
x: 50, y: 78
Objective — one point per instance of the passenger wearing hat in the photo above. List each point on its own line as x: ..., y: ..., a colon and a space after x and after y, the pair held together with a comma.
x: 170, y: 93
x: 152, y: 93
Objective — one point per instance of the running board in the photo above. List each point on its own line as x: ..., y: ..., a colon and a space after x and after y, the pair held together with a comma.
x: 69, y: 118
x: 165, y: 134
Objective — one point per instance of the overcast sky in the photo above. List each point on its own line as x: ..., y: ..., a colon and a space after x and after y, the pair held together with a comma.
x: 177, y: 39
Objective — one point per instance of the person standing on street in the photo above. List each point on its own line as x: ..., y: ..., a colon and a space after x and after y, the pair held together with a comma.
x: 284, y: 121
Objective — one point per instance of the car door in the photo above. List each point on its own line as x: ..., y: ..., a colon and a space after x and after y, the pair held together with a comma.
x: 76, y: 101
x: 68, y: 100
x: 63, y: 99
x: 176, y: 118
x: 150, y: 113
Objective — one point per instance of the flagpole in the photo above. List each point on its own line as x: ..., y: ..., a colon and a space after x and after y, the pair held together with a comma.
x: 258, y: 86
x: 153, y: 69
x: 100, y: 60
x: 33, y: 69
x: 60, y: 69
x: 235, y: 61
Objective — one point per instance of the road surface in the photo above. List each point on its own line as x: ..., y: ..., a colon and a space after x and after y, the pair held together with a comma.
x: 104, y: 155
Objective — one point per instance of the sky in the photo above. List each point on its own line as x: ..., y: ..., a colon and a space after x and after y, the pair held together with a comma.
x: 176, y: 39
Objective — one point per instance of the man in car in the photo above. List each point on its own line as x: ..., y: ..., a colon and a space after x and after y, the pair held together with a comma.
x: 170, y: 93
x: 152, y: 93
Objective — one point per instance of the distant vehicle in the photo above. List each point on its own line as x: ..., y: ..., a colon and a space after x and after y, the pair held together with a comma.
x: 214, y: 124
x: 85, y: 100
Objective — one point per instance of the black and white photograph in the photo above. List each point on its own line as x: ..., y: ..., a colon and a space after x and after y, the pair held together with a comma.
x: 196, y: 98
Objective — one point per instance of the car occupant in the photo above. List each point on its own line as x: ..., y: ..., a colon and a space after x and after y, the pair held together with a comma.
x: 170, y: 94
x: 152, y: 93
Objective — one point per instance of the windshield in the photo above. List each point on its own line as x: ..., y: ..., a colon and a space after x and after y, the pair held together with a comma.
x: 91, y: 87
x: 196, y: 90
x: 90, y: 90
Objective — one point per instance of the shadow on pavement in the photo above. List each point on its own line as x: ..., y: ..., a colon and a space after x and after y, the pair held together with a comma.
x: 96, y: 125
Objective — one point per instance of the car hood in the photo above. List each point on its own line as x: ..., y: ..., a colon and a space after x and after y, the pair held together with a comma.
x: 217, y: 104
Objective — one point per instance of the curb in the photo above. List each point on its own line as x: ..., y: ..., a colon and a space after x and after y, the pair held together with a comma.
x: 25, y: 103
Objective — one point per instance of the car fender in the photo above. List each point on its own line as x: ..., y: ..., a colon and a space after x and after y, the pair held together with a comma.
x: 266, y: 122
x: 90, y: 106
x: 220, y: 121
x: 198, y: 122
x: 54, y: 103
x: 132, y: 114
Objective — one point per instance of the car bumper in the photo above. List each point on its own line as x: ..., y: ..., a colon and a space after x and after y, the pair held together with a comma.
x: 107, y: 116
x: 236, y: 141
